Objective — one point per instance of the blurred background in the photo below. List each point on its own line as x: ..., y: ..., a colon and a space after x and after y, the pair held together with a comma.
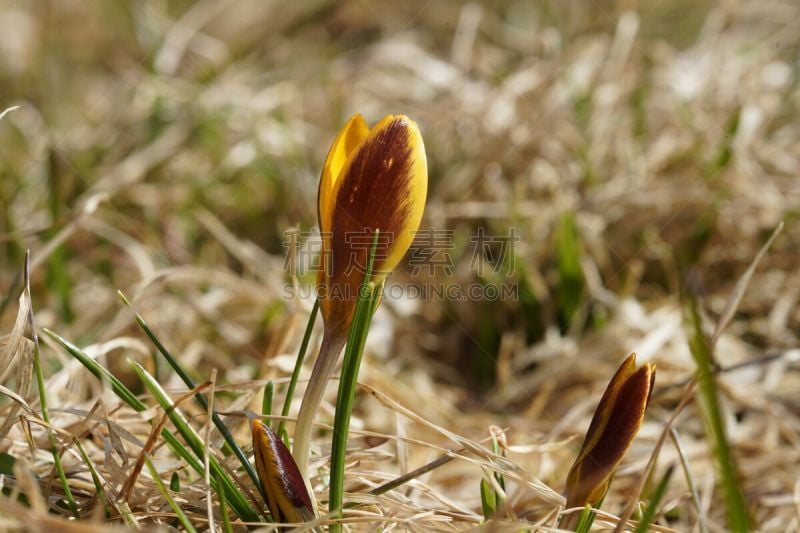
x: 165, y: 149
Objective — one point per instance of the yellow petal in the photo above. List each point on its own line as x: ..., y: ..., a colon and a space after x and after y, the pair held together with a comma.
x: 417, y: 193
x: 349, y: 138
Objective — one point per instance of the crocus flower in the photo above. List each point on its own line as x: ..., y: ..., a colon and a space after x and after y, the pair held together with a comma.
x: 373, y: 180
x: 614, y: 426
x: 283, y: 486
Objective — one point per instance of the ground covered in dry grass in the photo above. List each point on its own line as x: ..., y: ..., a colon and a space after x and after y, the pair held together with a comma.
x: 636, y: 148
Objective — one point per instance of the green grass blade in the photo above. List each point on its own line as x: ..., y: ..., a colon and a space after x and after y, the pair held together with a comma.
x: 182, y: 518
x: 570, y: 273
x: 356, y: 339
x: 298, y: 365
x: 123, y: 393
x: 195, y: 442
x: 698, y: 507
x: 175, y: 482
x: 59, y: 467
x: 101, y: 373
x: 488, y: 500
x: 501, y: 480
x: 344, y: 406
x: 37, y: 368
x: 491, y: 499
x: 655, y: 501
x: 266, y: 402
x: 586, y: 520
x: 223, y: 512
x: 98, y: 483
x: 200, y: 398
x: 736, y: 506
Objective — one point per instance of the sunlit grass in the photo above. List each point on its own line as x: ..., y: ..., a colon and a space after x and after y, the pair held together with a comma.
x: 164, y: 149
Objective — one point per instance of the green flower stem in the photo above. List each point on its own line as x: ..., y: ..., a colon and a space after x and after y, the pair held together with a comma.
x: 329, y: 352
x: 298, y: 365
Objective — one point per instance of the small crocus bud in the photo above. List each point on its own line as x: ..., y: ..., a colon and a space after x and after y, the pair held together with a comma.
x: 283, y: 486
x: 373, y: 180
x: 614, y: 426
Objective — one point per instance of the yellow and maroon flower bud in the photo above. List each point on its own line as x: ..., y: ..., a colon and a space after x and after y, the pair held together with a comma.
x: 373, y: 180
x: 615, y: 424
x: 283, y: 486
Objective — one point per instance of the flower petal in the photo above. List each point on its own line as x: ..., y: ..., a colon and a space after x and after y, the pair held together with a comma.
x: 348, y: 139
x: 284, y: 488
x: 383, y: 188
x: 614, y: 426
x: 607, y: 403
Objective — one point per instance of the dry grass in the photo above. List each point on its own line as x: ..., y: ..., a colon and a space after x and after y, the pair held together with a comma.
x: 162, y: 148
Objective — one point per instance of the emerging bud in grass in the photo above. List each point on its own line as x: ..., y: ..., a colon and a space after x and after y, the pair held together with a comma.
x: 283, y: 486
x: 373, y: 180
x: 614, y: 426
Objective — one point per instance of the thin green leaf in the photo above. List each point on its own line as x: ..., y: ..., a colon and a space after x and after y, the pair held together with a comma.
x: 194, y: 440
x: 298, y: 365
x: 101, y: 373
x: 284, y: 436
x: 570, y: 273
x: 367, y: 296
x: 501, y: 480
x: 491, y: 498
x: 223, y: 512
x: 655, y: 501
x: 200, y: 398
x: 698, y: 507
x: 736, y: 506
x: 488, y: 501
x: 266, y: 402
x: 182, y: 518
x: 586, y: 520
x: 98, y: 483
x: 37, y: 368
